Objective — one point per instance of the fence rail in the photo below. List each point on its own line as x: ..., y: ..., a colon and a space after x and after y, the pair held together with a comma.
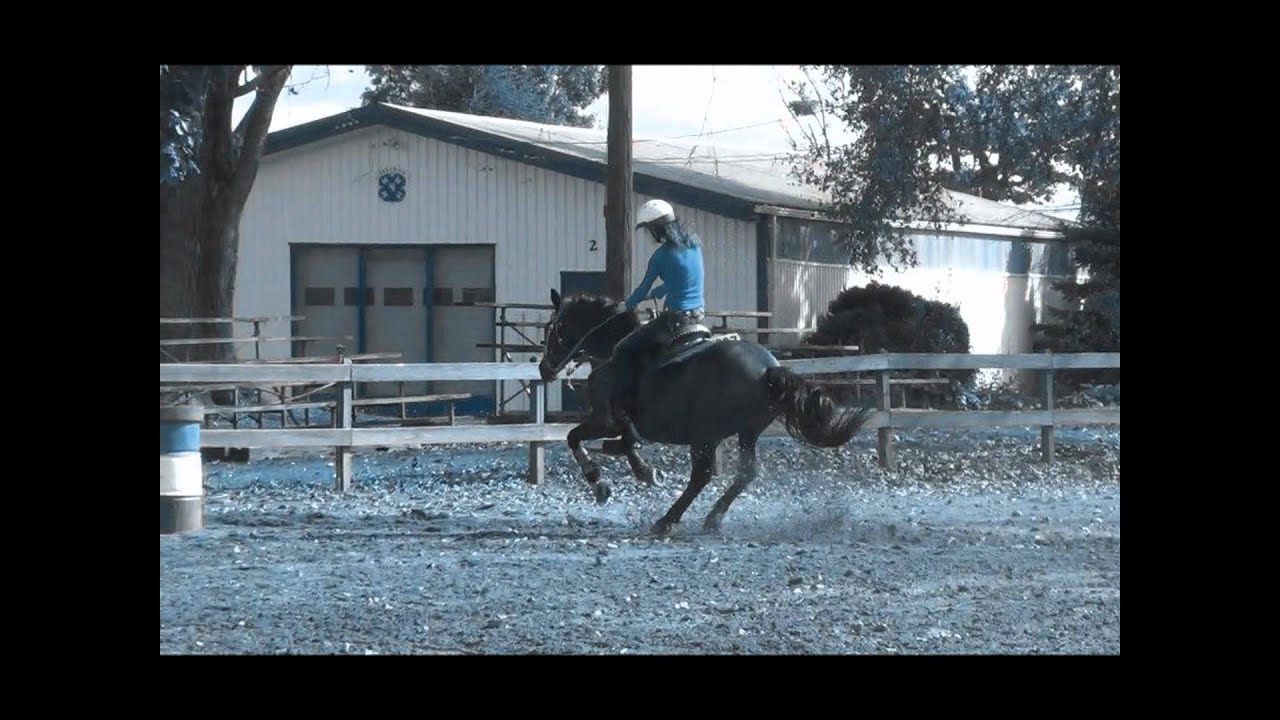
x: 537, y: 433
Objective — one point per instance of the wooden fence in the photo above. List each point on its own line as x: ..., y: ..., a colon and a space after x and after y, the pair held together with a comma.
x: 343, y: 437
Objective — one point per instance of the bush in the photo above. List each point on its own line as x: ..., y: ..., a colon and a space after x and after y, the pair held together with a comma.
x: 890, y: 318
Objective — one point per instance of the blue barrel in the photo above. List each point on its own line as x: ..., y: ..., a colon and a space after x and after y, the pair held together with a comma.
x: 181, y: 469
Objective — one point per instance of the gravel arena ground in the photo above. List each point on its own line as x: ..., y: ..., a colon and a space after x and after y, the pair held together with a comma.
x: 971, y: 546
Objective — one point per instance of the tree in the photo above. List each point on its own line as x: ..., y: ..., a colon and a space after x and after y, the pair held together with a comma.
x: 889, y: 318
x: 1002, y: 132
x: 207, y: 169
x: 553, y: 94
x: 1092, y: 322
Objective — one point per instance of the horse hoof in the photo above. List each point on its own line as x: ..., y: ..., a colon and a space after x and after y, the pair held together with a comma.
x: 648, y: 477
x: 661, y: 528
x: 593, y: 474
x: 711, y: 524
x: 602, y: 492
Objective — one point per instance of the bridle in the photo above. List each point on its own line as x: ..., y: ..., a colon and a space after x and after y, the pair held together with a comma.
x: 553, y: 335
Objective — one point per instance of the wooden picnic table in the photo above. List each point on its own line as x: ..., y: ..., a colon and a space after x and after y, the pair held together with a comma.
x: 515, y: 306
x: 256, y: 320
x: 818, y: 349
x: 225, y: 320
x: 223, y: 341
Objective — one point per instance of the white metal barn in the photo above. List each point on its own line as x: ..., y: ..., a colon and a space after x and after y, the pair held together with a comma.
x: 387, y: 223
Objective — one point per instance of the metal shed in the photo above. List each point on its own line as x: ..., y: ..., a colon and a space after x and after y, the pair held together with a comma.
x: 388, y: 224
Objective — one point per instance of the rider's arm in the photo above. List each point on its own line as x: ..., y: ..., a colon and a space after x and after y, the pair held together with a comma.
x: 643, y: 288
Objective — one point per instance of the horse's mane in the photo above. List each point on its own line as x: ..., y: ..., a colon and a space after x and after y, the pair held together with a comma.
x: 599, y: 303
x: 591, y: 305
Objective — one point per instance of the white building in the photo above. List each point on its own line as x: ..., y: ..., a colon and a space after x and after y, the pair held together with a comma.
x: 424, y: 212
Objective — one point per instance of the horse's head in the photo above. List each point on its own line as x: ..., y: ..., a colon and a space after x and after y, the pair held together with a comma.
x: 582, y: 327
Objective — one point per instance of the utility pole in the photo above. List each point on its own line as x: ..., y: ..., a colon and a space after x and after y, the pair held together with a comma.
x: 618, y: 189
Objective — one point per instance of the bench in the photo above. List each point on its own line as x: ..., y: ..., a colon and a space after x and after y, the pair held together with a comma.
x: 404, y: 400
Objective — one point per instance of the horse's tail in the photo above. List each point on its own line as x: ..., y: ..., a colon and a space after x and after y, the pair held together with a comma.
x: 809, y: 413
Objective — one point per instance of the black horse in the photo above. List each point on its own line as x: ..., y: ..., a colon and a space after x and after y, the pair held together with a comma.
x: 697, y: 393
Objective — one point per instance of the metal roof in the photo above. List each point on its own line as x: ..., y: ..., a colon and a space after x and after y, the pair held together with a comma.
x: 710, y: 176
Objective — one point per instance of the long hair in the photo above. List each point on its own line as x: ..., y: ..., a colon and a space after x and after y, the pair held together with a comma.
x: 675, y: 233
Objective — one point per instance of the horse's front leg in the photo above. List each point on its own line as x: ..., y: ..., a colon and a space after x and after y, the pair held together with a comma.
x: 641, y: 469
x: 590, y: 430
x: 626, y: 446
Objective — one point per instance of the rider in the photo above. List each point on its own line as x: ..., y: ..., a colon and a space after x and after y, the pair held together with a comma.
x: 678, y: 262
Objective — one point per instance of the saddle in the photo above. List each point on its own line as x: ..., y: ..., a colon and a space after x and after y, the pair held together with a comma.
x: 690, y: 339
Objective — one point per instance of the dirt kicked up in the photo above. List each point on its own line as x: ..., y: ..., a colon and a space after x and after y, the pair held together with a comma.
x: 970, y: 546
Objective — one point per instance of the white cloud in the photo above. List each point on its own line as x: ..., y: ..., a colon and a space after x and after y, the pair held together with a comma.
x: 322, y: 90
x: 668, y: 100
x: 739, y: 104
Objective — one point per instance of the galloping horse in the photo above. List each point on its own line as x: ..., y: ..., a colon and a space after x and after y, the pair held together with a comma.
x: 698, y: 393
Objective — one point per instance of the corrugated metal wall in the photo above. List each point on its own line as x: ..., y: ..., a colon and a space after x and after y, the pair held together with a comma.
x: 540, y: 221
x: 972, y: 272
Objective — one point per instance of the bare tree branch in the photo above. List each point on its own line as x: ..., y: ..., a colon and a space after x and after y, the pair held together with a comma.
x: 327, y: 76
x: 805, y: 131
x: 257, y: 81
x: 822, y: 109
x: 269, y: 73
x: 253, y: 127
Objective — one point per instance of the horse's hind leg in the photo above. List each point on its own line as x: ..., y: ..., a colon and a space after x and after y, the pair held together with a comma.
x: 747, y: 467
x: 590, y: 470
x: 701, y: 475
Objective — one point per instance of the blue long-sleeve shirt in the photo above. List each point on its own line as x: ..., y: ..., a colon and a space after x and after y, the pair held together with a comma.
x: 680, y: 269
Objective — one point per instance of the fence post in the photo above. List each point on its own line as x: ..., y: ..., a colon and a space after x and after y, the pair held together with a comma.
x: 537, y: 450
x: 342, y: 456
x: 257, y: 342
x: 884, y: 435
x: 1047, y: 440
x: 502, y: 357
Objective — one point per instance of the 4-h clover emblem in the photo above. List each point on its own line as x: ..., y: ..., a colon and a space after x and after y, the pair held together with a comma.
x: 391, y: 187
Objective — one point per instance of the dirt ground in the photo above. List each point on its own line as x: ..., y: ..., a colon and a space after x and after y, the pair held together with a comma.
x: 971, y: 546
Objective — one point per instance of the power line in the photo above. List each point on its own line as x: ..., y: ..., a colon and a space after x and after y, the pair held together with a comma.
x: 708, y: 133
x: 734, y: 159
x: 707, y: 113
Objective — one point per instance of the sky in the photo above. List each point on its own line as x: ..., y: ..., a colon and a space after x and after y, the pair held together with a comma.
x: 668, y: 100
x: 732, y: 105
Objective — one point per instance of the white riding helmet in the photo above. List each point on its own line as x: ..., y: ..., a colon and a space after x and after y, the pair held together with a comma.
x: 655, y: 213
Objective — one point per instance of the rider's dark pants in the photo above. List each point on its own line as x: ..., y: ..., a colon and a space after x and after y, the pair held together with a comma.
x: 646, y: 339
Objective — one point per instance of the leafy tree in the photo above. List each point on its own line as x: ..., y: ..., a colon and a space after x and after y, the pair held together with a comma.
x: 1092, y: 322
x: 552, y: 94
x: 1009, y: 133
x: 207, y: 168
